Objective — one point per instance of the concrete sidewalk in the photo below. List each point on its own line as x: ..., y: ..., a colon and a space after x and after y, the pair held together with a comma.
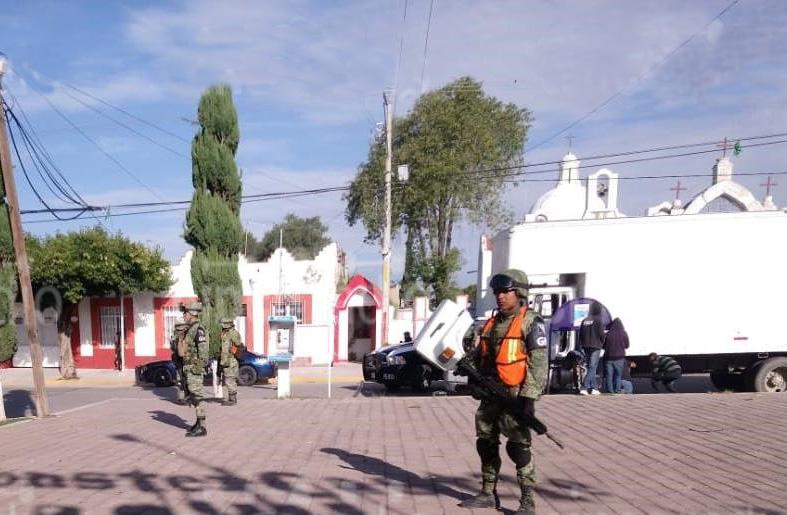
x: 691, y: 453
x: 23, y: 377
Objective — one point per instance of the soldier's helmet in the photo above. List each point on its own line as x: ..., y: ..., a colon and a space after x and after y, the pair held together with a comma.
x: 227, y: 323
x: 510, y: 279
x: 195, y: 308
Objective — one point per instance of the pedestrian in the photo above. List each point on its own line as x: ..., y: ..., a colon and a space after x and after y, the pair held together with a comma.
x: 231, y: 348
x: 591, y: 341
x: 118, y: 352
x: 616, y: 342
x: 575, y: 362
x: 407, y: 338
x: 665, y: 370
x: 512, y: 349
x: 194, y: 365
x: 179, y: 349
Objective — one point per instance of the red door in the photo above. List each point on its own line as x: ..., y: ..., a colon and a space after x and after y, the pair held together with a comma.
x: 105, y: 323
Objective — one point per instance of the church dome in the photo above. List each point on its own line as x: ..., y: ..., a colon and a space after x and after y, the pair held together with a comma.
x: 567, y: 201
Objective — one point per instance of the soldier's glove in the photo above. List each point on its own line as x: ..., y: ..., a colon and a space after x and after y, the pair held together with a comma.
x: 528, y: 407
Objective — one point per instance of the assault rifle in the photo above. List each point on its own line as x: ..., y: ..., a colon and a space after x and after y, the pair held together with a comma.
x: 487, y: 388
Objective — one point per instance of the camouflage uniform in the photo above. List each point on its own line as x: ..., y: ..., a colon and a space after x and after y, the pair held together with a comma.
x: 194, y: 362
x: 177, y: 347
x: 492, y: 418
x: 229, y: 338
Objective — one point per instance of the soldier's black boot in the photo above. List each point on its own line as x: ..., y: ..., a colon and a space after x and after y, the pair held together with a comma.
x: 527, y: 501
x: 232, y: 400
x: 199, y: 428
x: 486, y: 499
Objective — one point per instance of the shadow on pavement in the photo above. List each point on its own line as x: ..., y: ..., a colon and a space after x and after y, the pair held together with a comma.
x: 386, y: 471
x: 170, y: 419
x: 19, y: 403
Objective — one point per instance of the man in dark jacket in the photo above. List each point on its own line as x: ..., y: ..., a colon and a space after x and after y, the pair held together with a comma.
x: 591, y: 341
x: 615, y: 344
x: 665, y: 370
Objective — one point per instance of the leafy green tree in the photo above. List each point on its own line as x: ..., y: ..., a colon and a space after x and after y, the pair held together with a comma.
x: 459, y: 144
x: 304, y: 238
x: 66, y: 268
x: 8, y: 286
x: 213, y: 224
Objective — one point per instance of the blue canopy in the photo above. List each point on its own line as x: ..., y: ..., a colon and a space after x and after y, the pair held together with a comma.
x: 568, y: 316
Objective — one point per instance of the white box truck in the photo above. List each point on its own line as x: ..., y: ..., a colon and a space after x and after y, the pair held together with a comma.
x: 709, y: 290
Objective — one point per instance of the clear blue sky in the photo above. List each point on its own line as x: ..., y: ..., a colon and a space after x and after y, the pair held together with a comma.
x: 308, y: 76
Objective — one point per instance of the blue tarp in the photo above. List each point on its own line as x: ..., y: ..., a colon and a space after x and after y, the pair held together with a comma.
x: 569, y: 315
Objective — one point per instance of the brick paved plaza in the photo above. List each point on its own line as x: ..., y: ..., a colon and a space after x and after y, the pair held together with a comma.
x: 688, y: 453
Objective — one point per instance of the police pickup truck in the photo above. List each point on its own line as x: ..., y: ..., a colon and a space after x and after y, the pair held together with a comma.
x: 400, y: 365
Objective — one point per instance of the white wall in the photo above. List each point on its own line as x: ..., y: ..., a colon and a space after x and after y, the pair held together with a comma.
x: 144, y: 325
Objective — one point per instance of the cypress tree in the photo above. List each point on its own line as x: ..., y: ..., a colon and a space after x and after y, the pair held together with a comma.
x: 213, y: 225
x: 8, y: 285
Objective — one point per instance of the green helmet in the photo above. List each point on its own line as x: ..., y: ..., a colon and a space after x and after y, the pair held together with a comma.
x: 227, y: 322
x: 510, y: 279
x: 195, y: 308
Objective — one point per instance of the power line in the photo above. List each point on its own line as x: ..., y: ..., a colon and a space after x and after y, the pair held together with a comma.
x: 426, y: 43
x: 116, y: 108
x: 101, y: 149
x: 126, y: 126
x: 639, y: 78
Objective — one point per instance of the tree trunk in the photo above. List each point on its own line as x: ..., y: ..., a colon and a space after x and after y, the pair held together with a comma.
x: 2, y: 402
x: 67, y: 368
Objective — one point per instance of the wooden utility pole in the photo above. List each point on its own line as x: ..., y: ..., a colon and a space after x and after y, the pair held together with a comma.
x: 23, y: 268
x: 386, y: 286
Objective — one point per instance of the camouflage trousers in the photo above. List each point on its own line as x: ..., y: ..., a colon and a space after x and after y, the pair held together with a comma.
x: 490, y: 421
x: 196, y: 397
x: 231, y: 377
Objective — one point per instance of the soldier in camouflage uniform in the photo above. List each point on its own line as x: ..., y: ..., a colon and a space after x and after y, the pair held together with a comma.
x: 196, y: 358
x: 511, y: 349
x: 231, y: 347
x: 178, y: 348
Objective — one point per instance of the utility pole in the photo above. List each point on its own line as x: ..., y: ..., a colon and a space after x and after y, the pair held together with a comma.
x: 23, y: 268
x: 388, y: 108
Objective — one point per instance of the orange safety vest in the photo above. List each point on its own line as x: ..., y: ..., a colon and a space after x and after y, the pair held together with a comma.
x: 511, y: 359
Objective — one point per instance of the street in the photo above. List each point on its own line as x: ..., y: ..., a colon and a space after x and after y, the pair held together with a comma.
x: 689, y: 453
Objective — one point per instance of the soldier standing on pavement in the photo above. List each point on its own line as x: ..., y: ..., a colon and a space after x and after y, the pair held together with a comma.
x: 196, y: 358
x: 231, y: 348
x: 512, y: 350
x: 177, y: 345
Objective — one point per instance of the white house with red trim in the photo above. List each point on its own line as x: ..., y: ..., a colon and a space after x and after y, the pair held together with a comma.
x: 331, y: 325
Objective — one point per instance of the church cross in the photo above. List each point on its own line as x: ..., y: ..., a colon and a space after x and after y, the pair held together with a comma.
x: 570, y: 139
x: 768, y: 185
x: 677, y: 189
x: 724, y: 145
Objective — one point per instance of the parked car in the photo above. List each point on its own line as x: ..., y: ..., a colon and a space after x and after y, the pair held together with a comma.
x: 252, y: 369
x: 400, y: 365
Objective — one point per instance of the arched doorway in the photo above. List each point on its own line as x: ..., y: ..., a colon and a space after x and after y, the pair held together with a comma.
x: 358, y: 319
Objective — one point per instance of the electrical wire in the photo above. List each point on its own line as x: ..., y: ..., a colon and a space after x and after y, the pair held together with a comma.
x: 426, y: 43
x: 637, y: 80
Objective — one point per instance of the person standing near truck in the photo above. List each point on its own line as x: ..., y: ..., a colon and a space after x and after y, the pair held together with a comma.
x: 615, y: 344
x: 591, y: 341
x: 512, y: 350
x: 178, y: 347
x: 665, y: 371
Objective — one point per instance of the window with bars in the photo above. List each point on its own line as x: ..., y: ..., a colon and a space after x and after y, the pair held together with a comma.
x: 109, y: 317
x: 172, y: 315
x: 284, y: 307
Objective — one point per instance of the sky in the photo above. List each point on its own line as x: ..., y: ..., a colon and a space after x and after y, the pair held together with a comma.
x: 308, y: 76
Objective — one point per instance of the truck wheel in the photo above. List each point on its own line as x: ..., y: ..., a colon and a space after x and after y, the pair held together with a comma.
x: 771, y: 376
x: 423, y: 379
x: 163, y: 378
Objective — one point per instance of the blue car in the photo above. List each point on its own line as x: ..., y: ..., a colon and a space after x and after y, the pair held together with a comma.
x: 253, y: 368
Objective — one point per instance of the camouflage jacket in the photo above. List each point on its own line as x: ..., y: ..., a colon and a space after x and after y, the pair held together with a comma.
x: 228, y: 338
x: 196, y: 340
x: 535, y: 342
